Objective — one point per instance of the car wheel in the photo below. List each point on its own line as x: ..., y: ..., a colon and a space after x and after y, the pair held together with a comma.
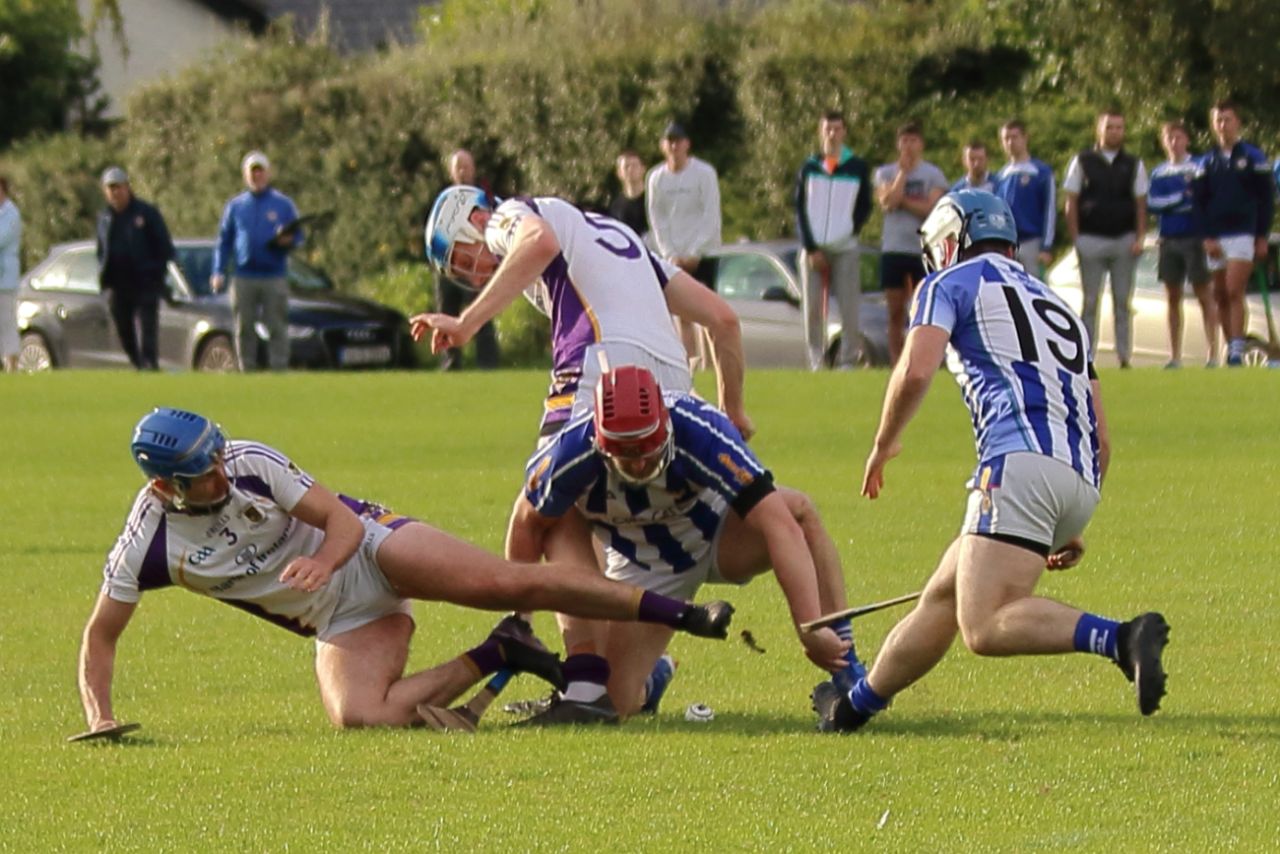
x: 35, y: 354
x: 217, y: 355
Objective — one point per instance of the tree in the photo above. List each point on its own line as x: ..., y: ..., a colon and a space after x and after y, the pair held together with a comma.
x: 41, y: 74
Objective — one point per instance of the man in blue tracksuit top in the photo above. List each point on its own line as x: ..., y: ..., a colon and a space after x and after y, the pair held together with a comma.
x: 1232, y: 194
x: 259, y: 227
x: 832, y: 205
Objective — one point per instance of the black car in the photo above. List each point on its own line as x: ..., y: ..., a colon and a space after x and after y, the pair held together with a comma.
x: 64, y: 319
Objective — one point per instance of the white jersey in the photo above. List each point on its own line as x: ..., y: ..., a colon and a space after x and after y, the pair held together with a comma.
x: 604, y: 287
x: 1021, y: 358
x: 235, y: 555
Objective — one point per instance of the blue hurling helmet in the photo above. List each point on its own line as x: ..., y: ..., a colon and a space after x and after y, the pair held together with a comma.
x: 176, y: 445
x: 450, y: 222
x: 961, y: 219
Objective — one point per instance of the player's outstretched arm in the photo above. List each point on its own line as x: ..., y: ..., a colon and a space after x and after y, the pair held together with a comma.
x: 691, y: 300
x: 797, y: 575
x: 908, y: 385
x: 98, y: 657
x: 534, y: 247
x: 343, y: 532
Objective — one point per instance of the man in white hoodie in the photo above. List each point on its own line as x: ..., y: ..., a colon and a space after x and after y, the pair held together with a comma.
x: 683, y: 199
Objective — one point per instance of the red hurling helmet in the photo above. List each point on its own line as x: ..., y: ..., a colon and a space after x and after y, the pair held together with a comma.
x: 632, y: 423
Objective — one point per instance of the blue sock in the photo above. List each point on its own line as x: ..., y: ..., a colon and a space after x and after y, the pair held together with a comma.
x: 853, y: 669
x: 1097, y: 635
x: 865, y: 700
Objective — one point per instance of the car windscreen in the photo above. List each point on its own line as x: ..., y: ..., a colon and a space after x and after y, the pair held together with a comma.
x: 196, y: 263
x: 303, y: 275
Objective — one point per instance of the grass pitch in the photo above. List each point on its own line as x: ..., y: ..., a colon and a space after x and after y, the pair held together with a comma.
x: 984, y: 754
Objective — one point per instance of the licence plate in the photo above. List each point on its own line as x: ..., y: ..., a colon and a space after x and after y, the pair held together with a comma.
x: 377, y: 354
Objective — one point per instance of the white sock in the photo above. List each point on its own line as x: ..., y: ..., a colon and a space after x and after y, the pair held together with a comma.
x: 583, y: 692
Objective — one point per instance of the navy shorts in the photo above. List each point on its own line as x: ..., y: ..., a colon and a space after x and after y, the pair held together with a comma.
x: 895, y: 267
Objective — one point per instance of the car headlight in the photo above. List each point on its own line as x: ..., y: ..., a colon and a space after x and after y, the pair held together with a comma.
x: 301, y: 333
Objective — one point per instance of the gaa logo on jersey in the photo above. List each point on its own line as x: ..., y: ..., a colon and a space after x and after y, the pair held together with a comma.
x: 254, y: 515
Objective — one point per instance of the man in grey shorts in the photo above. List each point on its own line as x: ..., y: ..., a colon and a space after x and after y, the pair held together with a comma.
x: 1041, y: 436
x: 1182, y: 257
x: 239, y: 522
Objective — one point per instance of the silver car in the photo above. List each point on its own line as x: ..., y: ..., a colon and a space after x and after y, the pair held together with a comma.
x: 761, y: 282
x: 1151, y: 313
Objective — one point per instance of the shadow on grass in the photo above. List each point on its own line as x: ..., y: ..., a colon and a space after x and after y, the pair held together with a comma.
x: 982, y: 726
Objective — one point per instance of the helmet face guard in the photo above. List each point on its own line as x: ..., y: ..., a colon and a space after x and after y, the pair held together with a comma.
x: 961, y: 219
x: 177, y: 447
x: 449, y: 225
x: 633, y: 427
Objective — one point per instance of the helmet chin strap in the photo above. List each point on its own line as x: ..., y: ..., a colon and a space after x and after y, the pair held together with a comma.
x: 178, y: 500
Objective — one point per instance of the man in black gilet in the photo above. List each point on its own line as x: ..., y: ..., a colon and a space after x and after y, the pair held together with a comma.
x: 1106, y: 189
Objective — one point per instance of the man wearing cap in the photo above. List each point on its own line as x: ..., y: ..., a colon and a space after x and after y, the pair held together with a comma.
x: 683, y: 200
x: 259, y: 227
x: 134, y: 250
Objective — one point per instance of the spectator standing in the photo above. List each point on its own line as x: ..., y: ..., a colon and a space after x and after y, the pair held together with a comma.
x: 683, y: 201
x: 976, y: 174
x: 134, y: 250
x: 1106, y: 211
x: 907, y: 190
x: 1182, y: 257
x: 10, y: 273
x: 629, y: 205
x: 1027, y: 185
x: 453, y: 295
x: 832, y: 204
x: 258, y: 230
x: 1233, y: 195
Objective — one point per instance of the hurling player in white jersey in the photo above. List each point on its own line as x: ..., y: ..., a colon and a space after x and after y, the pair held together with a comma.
x: 676, y: 498
x: 594, y: 278
x: 239, y: 522
x: 1021, y: 358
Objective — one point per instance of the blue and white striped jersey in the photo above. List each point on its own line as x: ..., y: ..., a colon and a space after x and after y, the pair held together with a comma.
x: 1021, y: 358
x: 665, y: 526
x: 1170, y: 198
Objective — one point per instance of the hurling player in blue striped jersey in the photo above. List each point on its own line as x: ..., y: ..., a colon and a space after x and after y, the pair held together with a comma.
x: 677, y: 499
x: 1021, y: 358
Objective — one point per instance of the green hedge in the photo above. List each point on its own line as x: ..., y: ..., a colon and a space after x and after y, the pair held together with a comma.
x: 546, y: 94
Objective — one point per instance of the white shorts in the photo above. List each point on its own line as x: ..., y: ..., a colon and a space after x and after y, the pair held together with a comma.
x: 1031, y: 499
x: 678, y: 585
x: 365, y: 595
x: 672, y: 377
x: 1235, y: 247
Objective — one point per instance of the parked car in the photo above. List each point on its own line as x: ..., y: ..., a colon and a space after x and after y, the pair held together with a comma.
x: 761, y: 281
x: 1150, y: 312
x: 64, y: 319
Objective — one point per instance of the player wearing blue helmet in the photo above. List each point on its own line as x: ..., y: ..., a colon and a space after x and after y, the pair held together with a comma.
x: 1021, y: 358
x: 239, y: 522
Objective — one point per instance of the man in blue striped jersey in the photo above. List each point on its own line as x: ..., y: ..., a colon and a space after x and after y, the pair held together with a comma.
x: 1181, y: 257
x: 677, y: 499
x: 1021, y: 358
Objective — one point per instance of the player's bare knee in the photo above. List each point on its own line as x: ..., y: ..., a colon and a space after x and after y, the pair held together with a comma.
x: 980, y: 637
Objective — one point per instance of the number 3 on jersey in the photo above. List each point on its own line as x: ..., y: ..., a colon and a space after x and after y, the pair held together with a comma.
x: 1064, y: 338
